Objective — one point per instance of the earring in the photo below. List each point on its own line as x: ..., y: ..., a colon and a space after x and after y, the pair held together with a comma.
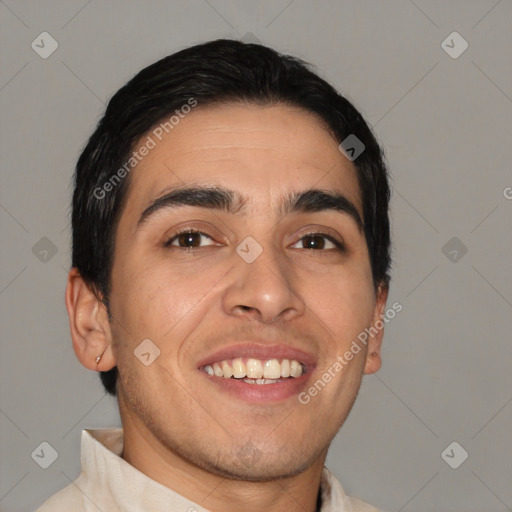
x: 99, y: 357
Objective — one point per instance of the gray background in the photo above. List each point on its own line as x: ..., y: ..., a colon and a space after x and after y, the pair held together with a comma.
x: 446, y: 125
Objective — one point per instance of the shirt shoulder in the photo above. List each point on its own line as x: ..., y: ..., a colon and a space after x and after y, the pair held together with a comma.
x: 334, y: 498
x: 69, y: 498
x: 360, y: 506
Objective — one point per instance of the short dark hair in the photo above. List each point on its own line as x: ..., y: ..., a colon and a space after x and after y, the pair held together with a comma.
x: 215, y: 72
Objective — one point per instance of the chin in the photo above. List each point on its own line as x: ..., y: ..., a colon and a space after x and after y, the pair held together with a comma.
x: 259, y: 464
x: 259, y: 472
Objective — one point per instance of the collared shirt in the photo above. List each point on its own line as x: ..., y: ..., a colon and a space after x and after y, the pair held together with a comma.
x: 110, y: 484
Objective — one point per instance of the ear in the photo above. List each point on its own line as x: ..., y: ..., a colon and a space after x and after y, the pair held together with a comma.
x: 373, y: 359
x: 89, y: 324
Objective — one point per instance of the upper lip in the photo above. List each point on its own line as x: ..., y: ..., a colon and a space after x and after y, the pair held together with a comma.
x: 259, y: 351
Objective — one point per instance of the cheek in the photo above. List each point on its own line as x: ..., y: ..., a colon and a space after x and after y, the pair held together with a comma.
x: 344, y: 302
x: 159, y: 301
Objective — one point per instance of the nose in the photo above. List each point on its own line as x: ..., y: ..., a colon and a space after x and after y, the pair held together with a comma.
x: 263, y: 290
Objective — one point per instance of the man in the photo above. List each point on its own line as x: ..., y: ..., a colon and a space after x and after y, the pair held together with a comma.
x: 230, y: 247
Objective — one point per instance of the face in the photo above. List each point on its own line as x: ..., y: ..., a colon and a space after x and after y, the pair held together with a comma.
x: 250, y: 284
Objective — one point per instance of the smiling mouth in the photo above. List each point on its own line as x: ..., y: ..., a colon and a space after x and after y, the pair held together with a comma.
x: 256, y: 371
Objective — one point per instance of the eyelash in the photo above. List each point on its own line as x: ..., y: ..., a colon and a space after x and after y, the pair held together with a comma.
x: 339, y: 245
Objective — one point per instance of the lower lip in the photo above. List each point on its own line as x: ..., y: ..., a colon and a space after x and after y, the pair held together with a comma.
x: 260, y: 393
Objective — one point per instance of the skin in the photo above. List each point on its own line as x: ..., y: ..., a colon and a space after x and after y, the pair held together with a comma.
x: 179, y: 429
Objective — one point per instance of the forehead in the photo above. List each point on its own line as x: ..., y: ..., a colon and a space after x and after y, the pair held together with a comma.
x: 261, y: 151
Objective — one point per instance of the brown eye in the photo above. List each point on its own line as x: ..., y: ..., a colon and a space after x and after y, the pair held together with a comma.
x: 313, y: 242
x: 187, y: 240
x: 318, y: 241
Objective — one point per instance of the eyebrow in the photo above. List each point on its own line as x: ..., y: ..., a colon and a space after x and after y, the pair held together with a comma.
x: 223, y: 199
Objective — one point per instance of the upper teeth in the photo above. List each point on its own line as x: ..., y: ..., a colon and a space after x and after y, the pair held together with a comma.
x: 255, y: 368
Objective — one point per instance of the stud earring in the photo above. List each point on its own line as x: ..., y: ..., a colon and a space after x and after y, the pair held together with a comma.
x: 99, y: 357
